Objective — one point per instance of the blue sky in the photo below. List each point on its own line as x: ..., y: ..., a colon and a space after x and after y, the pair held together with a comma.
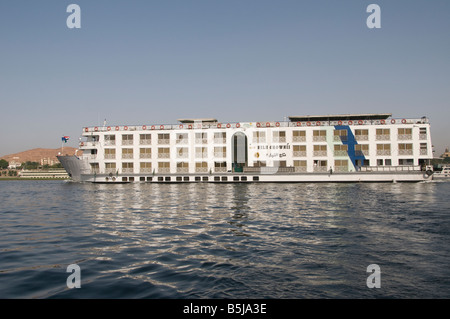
x: 142, y: 62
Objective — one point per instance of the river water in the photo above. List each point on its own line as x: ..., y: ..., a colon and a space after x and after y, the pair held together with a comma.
x: 203, y: 240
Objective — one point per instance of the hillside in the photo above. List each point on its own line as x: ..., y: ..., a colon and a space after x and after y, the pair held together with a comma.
x: 40, y: 155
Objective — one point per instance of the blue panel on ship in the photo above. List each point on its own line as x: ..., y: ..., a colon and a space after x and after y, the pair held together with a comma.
x: 351, y: 142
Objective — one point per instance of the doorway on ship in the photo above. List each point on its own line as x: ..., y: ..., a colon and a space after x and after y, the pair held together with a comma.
x: 239, y: 151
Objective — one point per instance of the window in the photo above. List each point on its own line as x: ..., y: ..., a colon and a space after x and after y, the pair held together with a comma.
x: 163, y: 138
x: 279, y: 137
x: 220, y: 151
x: 164, y: 152
x: 127, y: 153
x: 182, y: 152
x: 145, y: 167
x: 383, y: 149
x: 182, y: 138
x: 220, y: 167
x: 320, y: 166
x: 95, y: 168
x: 110, y: 153
x: 299, y: 166
x: 340, y: 135
x: 319, y: 135
x: 423, y: 133
x: 340, y: 150
x: 201, y: 152
x: 406, y: 161
x: 405, y: 149
x: 127, y: 139
x: 299, y: 150
x: 164, y: 167
x: 127, y: 167
x: 341, y: 165
x: 201, y: 167
x: 182, y: 167
x: 405, y: 134
x: 145, y: 139
x: 145, y: 153
x: 383, y: 134
x: 299, y: 136
x: 259, y: 137
x: 362, y: 149
x: 110, y: 140
x: 110, y: 168
x: 220, y: 137
x: 423, y: 148
x: 362, y: 135
x: 201, y: 138
x: 320, y: 150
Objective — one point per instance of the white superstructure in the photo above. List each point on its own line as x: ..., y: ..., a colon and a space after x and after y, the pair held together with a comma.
x: 354, y: 147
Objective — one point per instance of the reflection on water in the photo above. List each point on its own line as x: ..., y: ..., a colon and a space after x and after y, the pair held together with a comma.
x: 224, y: 240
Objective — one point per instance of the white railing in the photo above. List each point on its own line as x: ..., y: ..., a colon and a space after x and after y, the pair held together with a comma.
x: 275, y: 125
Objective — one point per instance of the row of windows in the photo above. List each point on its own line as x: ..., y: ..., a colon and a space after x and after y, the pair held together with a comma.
x: 260, y: 136
x: 219, y: 167
x: 298, y: 151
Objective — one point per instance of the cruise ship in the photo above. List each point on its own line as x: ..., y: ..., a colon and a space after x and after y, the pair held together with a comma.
x: 331, y: 148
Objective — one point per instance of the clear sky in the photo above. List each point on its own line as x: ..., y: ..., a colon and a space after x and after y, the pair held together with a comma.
x: 155, y: 61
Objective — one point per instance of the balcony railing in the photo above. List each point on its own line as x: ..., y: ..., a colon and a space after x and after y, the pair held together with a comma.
x: 145, y: 142
x: 127, y: 156
x: 319, y: 153
x: 163, y: 155
x: 145, y: 155
x: 383, y: 137
x: 362, y: 137
x: 319, y: 138
x: 299, y: 153
x: 340, y: 153
x: 299, y: 138
x: 127, y: 170
x: 405, y: 152
x: 384, y: 152
x: 127, y: 142
x: 403, y: 137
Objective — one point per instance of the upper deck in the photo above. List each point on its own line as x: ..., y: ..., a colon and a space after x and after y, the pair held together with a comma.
x: 294, y: 121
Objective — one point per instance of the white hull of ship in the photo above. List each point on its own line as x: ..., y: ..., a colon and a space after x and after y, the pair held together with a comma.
x: 79, y: 172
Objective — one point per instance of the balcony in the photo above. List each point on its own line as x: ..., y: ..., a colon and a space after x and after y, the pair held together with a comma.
x: 280, y: 139
x: 405, y: 152
x: 362, y: 137
x: 145, y: 155
x: 163, y: 141
x: 127, y: 142
x: 220, y: 154
x: 319, y: 138
x: 404, y: 137
x: 163, y: 155
x: 340, y: 153
x: 145, y: 142
x: 384, y: 152
x: 299, y: 139
x: 319, y: 153
x: 299, y: 153
x: 383, y: 137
